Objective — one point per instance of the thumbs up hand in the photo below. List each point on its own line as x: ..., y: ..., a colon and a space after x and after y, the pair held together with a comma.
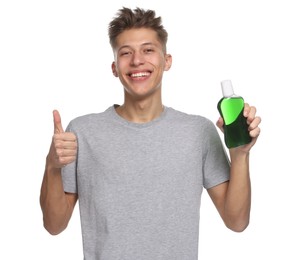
x: 63, y: 148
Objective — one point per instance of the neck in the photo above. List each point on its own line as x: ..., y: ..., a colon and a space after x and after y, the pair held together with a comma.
x: 140, y: 111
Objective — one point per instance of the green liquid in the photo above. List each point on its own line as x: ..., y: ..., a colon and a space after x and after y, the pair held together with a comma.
x: 235, y: 125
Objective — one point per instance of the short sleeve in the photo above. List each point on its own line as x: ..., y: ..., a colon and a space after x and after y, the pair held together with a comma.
x: 216, y: 165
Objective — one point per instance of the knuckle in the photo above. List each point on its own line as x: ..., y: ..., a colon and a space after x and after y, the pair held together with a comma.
x: 59, y: 152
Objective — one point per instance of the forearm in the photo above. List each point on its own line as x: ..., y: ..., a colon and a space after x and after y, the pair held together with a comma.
x: 54, y: 204
x: 238, y: 197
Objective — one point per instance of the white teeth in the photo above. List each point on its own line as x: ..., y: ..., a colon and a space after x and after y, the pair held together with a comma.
x: 140, y: 74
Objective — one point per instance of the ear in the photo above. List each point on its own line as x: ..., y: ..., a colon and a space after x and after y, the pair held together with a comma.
x: 168, y: 61
x: 114, y: 70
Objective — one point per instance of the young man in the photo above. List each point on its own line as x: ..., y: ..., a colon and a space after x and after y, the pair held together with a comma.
x: 138, y: 169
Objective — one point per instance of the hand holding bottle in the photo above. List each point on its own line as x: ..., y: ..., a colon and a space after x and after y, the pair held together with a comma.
x: 239, y: 122
x: 253, y: 122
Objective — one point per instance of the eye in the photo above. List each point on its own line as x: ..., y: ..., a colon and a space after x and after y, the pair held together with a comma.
x: 125, y: 53
x: 149, y: 50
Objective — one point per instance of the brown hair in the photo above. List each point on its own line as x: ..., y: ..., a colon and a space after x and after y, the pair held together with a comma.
x: 138, y: 18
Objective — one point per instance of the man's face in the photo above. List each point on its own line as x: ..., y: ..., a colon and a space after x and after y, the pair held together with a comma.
x: 140, y: 62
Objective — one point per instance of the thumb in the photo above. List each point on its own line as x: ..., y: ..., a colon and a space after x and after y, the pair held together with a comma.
x: 57, y: 123
x: 220, y: 124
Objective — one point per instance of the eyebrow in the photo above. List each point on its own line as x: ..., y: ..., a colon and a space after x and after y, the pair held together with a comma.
x: 144, y: 44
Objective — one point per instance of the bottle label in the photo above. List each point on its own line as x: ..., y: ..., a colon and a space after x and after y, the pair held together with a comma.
x: 231, y: 108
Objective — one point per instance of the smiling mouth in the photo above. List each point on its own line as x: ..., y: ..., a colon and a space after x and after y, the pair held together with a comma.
x: 139, y: 75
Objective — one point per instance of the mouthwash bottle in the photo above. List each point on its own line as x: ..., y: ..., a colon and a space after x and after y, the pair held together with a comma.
x: 231, y: 108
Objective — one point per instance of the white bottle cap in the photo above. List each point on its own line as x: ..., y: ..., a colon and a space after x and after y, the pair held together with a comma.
x: 227, y: 88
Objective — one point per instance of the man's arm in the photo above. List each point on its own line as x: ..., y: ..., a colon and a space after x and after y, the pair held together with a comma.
x: 57, y: 206
x: 233, y: 198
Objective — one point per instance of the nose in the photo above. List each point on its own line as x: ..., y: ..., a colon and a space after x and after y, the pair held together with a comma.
x: 137, y: 59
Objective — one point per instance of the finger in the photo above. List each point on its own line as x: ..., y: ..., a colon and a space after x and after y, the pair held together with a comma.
x: 65, y: 147
x: 65, y: 152
x: 255, y: 123
x: 65, y: 137
x: 255, y: 132
x: 251, y: 115
x: 246, y: 109
x: 62, y: 161
x: 66, y: 160
x: 58, y: 129
x: 220, y: 123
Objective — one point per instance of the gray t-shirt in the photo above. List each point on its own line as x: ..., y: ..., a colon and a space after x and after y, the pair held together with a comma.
x: 139, y: 185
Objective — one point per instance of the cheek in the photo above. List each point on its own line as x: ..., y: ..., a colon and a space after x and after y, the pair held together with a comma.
x: 120, y: 66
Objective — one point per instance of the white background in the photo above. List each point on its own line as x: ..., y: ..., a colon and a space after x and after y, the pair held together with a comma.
x: 55, y: 54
